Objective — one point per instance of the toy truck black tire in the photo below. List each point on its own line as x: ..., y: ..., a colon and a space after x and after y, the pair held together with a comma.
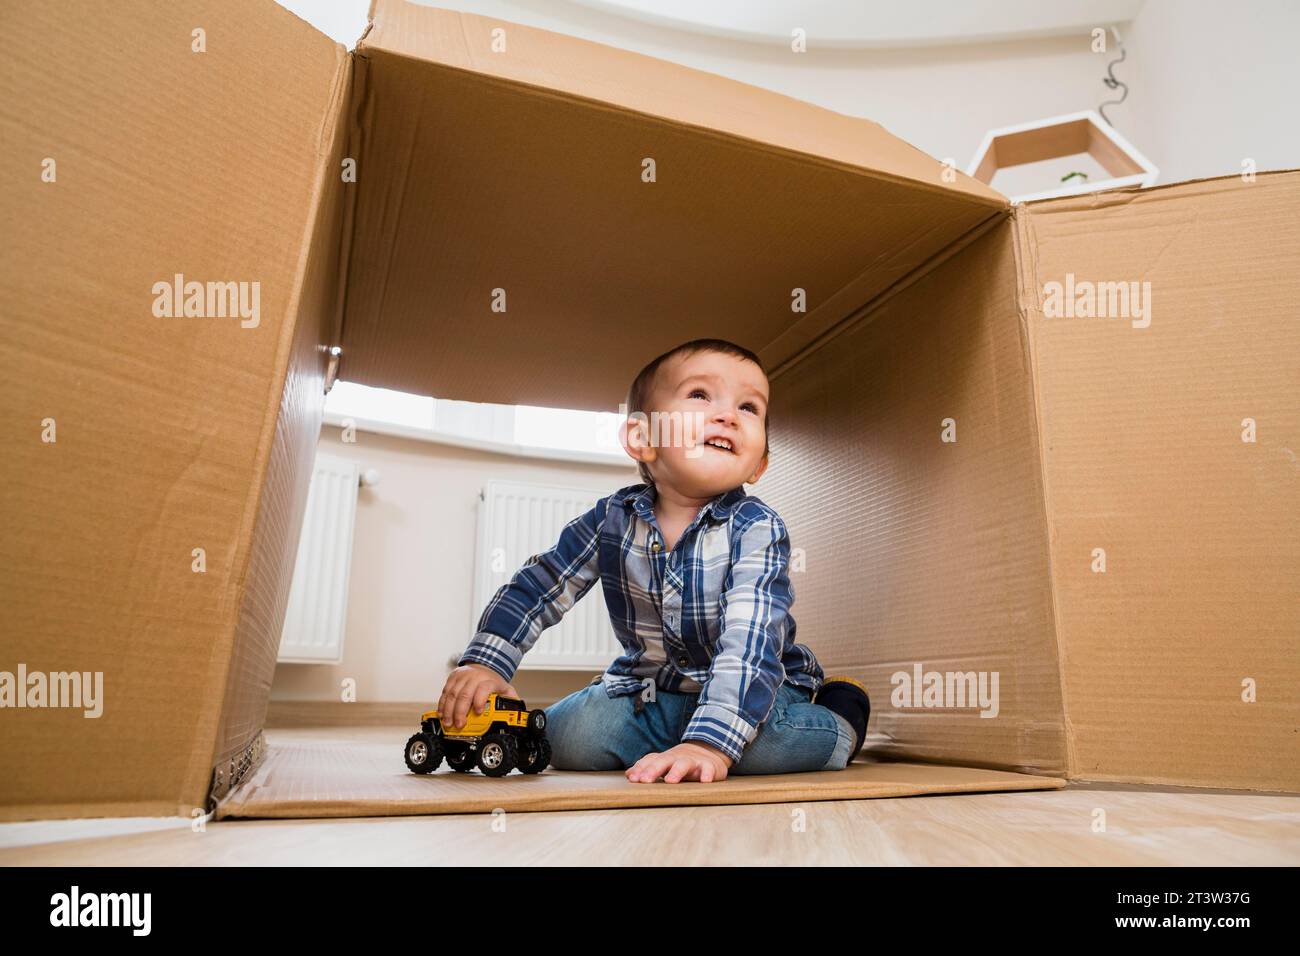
x: 498, y: 754
x: 461, y: 759
x: 539, y: 749
x: 537, y: 722
x: 423, y: 753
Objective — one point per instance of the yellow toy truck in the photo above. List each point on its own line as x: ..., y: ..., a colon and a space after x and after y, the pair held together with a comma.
x: 506, y: 735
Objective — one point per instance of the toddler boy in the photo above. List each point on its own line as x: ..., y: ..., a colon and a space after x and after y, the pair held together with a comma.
x: 696, y: 579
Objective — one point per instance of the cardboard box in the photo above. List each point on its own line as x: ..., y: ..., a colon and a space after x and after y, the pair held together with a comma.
x: 153, y: 539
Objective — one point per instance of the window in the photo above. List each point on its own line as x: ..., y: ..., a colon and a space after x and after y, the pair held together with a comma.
x: 349, y: 400
x: 567, y: 428
x: 561, y: 429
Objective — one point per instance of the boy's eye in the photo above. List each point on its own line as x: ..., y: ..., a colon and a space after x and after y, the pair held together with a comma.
x: 703, y: 394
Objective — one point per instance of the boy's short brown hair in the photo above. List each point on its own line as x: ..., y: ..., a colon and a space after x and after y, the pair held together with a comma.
x: 639, y: 393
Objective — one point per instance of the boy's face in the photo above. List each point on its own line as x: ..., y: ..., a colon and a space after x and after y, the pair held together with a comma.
x: 699, y: 397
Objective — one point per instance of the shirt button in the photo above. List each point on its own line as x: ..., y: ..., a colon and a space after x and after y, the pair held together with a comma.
x: 683, y: 661
x: 655, y: 546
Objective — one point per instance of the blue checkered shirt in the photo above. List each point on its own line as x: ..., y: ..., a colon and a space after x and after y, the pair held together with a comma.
x: 711, y: 617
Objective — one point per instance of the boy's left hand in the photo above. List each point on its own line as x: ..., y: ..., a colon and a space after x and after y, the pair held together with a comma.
x: 687, y: 761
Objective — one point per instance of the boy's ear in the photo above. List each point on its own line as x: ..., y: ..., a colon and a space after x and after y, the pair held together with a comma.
x: 632, y: 435
x: 758, y: 471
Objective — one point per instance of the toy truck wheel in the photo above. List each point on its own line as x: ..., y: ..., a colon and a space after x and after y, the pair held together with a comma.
x: 423, y: 753
x: 537, y: 721
x: 460, y: 759
x: 535, y: 755
x: 498, y: 754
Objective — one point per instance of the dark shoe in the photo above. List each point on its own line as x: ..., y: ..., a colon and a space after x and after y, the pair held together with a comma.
x: 848, y: 698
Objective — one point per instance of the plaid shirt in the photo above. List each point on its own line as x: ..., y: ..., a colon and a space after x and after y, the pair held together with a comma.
x: 711, y: 616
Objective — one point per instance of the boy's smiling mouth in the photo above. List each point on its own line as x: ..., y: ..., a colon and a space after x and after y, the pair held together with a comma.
x: 720, y: 444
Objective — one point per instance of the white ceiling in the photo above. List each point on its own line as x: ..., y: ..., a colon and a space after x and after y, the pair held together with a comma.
x: 848, y: 24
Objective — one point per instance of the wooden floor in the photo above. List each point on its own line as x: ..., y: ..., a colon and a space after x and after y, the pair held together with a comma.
x: 1141, y: 827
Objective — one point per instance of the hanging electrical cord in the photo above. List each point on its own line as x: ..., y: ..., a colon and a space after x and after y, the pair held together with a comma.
x: 1112, y: 81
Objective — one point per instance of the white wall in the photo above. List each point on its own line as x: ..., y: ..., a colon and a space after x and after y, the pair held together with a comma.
x: 1215, y: 84
x: 412, y: 576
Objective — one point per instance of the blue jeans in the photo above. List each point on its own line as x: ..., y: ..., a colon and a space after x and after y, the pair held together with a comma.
x: 589, y: 730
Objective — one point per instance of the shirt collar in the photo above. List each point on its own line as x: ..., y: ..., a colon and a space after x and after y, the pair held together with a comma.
x: 642, y: 497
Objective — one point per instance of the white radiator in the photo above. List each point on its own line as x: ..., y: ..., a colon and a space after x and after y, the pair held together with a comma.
x: 517, y: 521
x: 318, y: 596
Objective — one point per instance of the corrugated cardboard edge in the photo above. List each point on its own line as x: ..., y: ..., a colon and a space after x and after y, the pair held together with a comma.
x: 357, y: 112
x: 207, y: 758
x: 1121, y: 195
x: 1030, y: 304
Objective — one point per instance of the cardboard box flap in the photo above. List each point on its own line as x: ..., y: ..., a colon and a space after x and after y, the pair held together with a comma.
x: 140, y: 432
x: 522, y: 193
x: 1167, y: 363
x: 567, y: 66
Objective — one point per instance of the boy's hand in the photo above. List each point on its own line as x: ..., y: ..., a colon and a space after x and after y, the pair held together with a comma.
x: 469, y: 686
x: 689, y: 760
